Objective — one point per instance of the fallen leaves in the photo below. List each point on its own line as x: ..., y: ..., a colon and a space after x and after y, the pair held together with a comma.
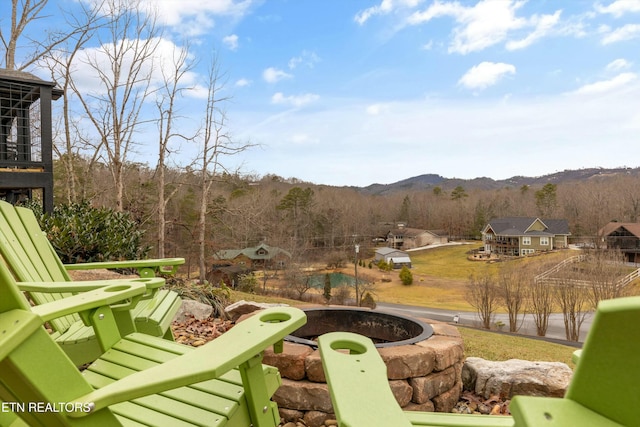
x: 196, y: 332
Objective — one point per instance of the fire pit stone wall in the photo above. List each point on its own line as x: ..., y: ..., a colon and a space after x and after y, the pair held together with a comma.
x: 425, y: 376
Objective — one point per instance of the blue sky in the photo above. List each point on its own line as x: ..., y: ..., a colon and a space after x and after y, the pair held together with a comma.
x: 359, y: 92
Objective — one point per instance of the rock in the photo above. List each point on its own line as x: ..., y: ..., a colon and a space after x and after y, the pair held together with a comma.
x: 515, y: 377
x: 303, y: 396
x: 241, y: 307
x: 426, y: 388
x: 313, y: 367
x: 447, y: 350
x: 402, y: 391
x: 444, y: 329
x: 290, y: 415
x: 331, y: 422
x: 290, y: 362
x: 195, y: 309
x: 407, y: 361
x: 315, y: 418
x: 420, y: 407
x: 447, y: 400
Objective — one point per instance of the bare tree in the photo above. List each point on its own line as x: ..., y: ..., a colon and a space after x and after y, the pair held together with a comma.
x: 61, y: 62
x: 23, y: 13
x: 512, y: 284
x: 541, y: 303
x: 483, y: 295
x: 573, y: 298
x: 123, y: 66
x: 604, y: 270
x: 168, y: 94
x: 216, y: 144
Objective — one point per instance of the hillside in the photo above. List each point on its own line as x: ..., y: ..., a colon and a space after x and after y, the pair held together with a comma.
x: 429, y: 181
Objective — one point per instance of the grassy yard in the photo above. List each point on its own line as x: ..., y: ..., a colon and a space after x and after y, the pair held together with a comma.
x: 492, y: 346
x: 440, y: 276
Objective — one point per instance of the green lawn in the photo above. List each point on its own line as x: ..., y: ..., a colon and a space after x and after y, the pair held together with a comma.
x: 493, y: 346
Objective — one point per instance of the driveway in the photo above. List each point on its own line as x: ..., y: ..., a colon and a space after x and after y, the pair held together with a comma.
x: 555, y: 330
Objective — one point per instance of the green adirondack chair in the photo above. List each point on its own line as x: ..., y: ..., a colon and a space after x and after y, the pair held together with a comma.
x: 604, y: 390
x: 31, y: 258
x: 140, y: 380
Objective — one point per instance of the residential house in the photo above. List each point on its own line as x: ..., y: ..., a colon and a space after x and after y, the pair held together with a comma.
x: 404, y: 237
x: 624, y: 236
x: 519, y: 236
x: 261, y: 256
x: 392, y: 256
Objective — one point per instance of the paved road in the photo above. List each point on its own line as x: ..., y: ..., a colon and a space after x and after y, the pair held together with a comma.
x: 555, y: 330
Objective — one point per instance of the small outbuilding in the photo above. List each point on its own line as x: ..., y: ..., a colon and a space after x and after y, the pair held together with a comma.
x: 392, y: 256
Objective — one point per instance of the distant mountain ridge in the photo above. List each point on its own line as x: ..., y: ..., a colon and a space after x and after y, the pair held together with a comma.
x: 429, y: 181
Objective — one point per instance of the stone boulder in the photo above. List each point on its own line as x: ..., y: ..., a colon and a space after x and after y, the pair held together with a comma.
x: 195, y: 309
x: 515, y: 377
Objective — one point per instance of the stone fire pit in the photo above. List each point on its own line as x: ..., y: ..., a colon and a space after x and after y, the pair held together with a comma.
x: 424, y: 362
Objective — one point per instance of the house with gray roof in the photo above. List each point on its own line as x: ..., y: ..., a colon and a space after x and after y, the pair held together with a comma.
x: 403, y: 237
x: 261, y: 256
x: 519, y: 236
x: 395, y: 257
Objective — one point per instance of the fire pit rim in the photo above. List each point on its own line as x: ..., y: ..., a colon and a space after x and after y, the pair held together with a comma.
x: 427, y: 330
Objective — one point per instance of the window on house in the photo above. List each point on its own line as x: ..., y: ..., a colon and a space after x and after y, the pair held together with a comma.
x: 544, y: 241
x: 526, y: 240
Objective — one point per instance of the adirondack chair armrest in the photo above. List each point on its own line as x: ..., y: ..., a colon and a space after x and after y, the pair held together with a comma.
x: 575, y: 357
x: 144, y: 267
x: 125, y: 293
x: 86, y: 285
x: 242, y: 345
x: 358, y: 384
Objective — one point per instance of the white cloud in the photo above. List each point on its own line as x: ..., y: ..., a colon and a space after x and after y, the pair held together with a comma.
x: 243, y: 82
x: 486, y: 74
x: 385, y: 7
x: 607, y: 85
x: 619, y: 7
x: 618, y: 64
x: 377, y: 109
x: 274, y: 75
x: 487, y: 23
x: 294, y: 100
x: 307, y: 58
x: 231, y: 41
x: 174, y: 13
x: 543, y: 26
x: 300, y: 138
x: 626, y: 32
x: 162, y: 60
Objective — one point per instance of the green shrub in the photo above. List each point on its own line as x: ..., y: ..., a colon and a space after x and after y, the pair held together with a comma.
x: 326, y: 292
x: 368, y: 301
x: 247, y: 283
x: 384, y: 266
x: 81, y: 233
x: 406, y: 276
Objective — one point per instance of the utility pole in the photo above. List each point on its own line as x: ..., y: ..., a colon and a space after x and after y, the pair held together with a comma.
x: 356, y: 271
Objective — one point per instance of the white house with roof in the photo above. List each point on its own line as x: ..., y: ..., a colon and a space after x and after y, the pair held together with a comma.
x: 392, y: 256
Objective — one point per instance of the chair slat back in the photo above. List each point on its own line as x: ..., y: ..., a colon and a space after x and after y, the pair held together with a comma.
x: 607, y: 376
x: 31, y: 259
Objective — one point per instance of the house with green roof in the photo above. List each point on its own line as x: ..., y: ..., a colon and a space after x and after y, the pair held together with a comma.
x: 519, y: 236
x: 257, y: 257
